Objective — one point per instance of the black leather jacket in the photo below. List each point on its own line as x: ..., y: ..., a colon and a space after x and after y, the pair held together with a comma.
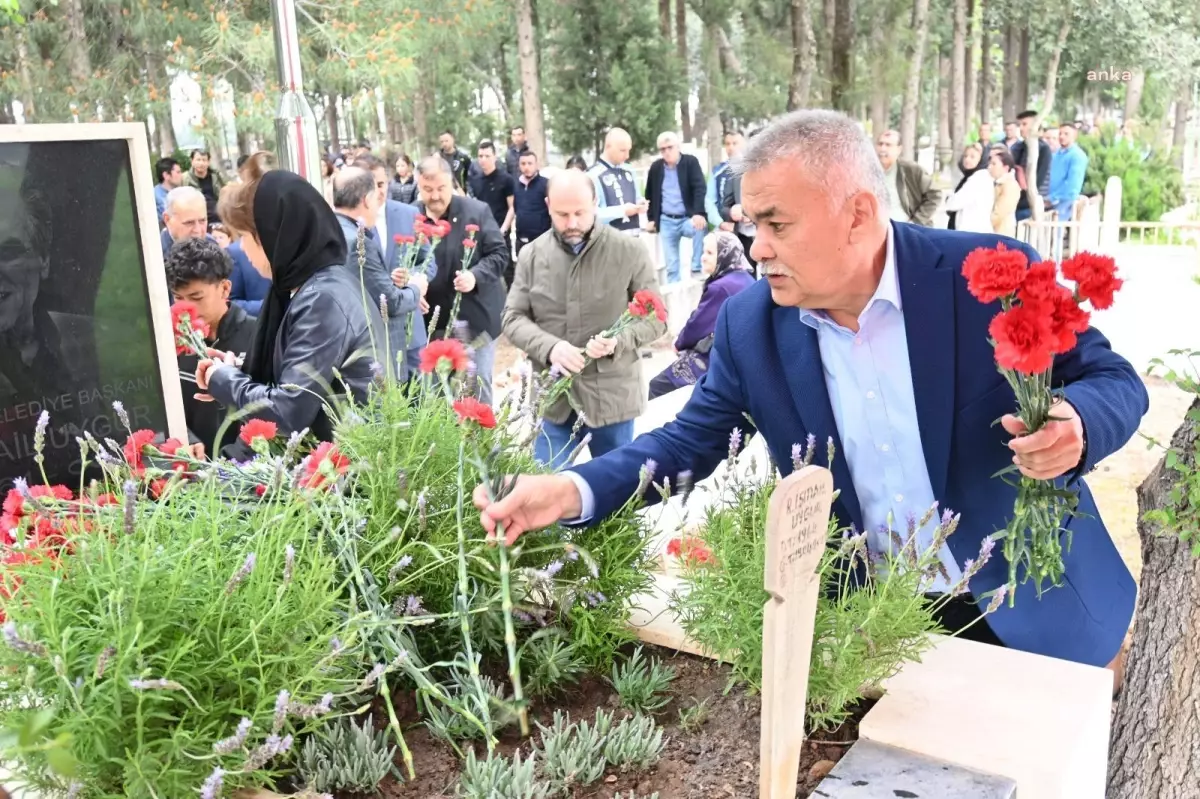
x: 328, y: 327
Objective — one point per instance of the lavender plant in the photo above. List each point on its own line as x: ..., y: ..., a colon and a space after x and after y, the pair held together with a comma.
x: 347, y: 758
x: 642, y: 684
x: 634, y: 744
x: 497, y: 777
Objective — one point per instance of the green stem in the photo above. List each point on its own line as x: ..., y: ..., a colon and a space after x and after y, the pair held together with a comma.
x: 464, y: 603
x: 394, y: 723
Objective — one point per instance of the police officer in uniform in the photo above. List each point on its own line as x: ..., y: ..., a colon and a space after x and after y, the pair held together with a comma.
x: 617, y: 196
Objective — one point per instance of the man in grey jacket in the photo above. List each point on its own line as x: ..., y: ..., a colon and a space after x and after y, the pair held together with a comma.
x: 356, y: 203
x: 569, y: 288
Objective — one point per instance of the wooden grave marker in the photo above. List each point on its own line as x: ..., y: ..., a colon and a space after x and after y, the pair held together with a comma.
x: 797, y: 524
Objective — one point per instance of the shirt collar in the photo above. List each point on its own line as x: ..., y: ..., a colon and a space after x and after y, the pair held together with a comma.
x: 888, y: 290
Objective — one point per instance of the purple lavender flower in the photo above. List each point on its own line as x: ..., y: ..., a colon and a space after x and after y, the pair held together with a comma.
x: 211, y: 788
x: 19, y: 644
x: 522, y: 616
x: 646, y: 476
x: 281, y: 707
x: 376, y: 369
x: 735, y: 443
x: 274, y: 745
x: 830, y: 451
x: 683, y: 481
x: 797, y: 457
x: 155, y: 685
x: 311, y: 711
x: 413, y: 607
x: 572, y: 553
x: 383, y: 306
x: 422, y: 503
x: 595, y: 599
x: 810, y: 451
x: 372, y: 676
x: 997, y: 600
x: 102, y: 661
x: 122, y: 416
x: 74, y: 790
x: 39, y: 436
x: 227, y: 746
x: 130, y: 491
x: 398, y: 567
x: 241, y: 574
x: 553, y: 567
x: 335, y: 645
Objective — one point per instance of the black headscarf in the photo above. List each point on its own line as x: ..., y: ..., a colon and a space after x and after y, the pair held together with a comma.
x: 952, y: 216
x: 300, y: 236
x: 731, y: 256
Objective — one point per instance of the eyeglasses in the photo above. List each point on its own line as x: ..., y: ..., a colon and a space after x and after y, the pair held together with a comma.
x: 666, y: 149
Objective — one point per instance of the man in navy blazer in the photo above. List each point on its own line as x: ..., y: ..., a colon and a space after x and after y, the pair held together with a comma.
x: 397, y: 218
x: 864, y: 331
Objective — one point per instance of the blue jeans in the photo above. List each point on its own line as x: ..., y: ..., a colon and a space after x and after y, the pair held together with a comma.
x: 555, y: 444
x: 672, y: 230
x: 1024, y: 213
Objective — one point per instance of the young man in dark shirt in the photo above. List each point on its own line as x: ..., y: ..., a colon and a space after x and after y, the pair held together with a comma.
x: 495, y: 188
x: 531, y: 217
x: 198, y: 271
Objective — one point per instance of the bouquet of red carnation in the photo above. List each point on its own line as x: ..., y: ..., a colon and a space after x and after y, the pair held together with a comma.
x: 1039, y: 318
x: 190, y: 329
x: 643, y: 304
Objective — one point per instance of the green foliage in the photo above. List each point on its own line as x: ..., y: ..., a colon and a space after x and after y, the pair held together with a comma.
x: 694, y: 716
x: 165, y: 630
x: 611, y: 67
x: 642, y: 683
x: 498, y: 777
x: 1180, y: 515
x: 1151, y: 182
x: 551, y: 663
x: 573, y: 754
x: 861, y: 636
x: 345, y: 757
x: 634, y: 744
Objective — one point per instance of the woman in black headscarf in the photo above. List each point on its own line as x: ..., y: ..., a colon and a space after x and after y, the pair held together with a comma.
x: 729, y: 272
x: 315, y: 320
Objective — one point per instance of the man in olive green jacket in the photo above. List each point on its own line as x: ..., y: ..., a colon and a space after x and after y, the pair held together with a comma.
x: 571, y: 285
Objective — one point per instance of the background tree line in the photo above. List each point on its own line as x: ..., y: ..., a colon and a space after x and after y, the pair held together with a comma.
x: 569, y: 69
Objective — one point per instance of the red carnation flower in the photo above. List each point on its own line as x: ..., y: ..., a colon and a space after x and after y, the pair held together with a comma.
x: 691, y: 549
x: 1041, y: 285
x: 1024, y: 340
x: 420, y: 219
x: 314, y: 476
x: 1095, y: 277
x: 470, y: 409
x: 172, y: 446
x: 993, y: 274
x: 258, y: 428
x: 431, y: 231
x: 398, y: 238
x: 259, y: 490
x: 104, y: 499
x: 184, y: 316
x: 1067, y: 320
x: 472, y: 228
x: 449, y: 349
x: 133, y: 449
x: 443, y: 228
x: 158, y: 487
x: 469, y: 244
x: 402, y: 239
x: 645, y: 302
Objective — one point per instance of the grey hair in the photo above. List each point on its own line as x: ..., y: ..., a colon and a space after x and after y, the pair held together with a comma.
x: 182, y: 194
x: 351, y: 186
x: 832, y: 147
x: 433, y: 165
x: 667, y: 137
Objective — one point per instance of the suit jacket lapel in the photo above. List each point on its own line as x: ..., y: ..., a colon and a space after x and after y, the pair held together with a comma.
x: 389, y: 246
x: 801, y: 355
x: 927, y: 294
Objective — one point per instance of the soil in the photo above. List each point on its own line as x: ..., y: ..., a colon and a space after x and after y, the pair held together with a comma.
x: 717, y: 759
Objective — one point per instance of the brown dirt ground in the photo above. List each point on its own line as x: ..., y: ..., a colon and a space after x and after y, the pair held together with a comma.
x: 717, y: 760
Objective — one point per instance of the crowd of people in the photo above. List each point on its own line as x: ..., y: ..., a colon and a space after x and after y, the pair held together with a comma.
x: 553, y: 301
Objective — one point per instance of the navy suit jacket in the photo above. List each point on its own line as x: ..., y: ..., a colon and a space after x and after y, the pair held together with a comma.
x: 766, y: 363
x: 402, y: 219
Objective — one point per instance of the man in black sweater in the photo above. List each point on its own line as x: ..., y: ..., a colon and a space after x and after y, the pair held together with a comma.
x: 479, y: 283
x: 675, y: 190
x: 529, y: 202
x: 1028, y: 120
x: 198, y: 271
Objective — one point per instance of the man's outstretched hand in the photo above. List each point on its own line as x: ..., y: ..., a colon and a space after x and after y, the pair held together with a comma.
x: 536, y: 501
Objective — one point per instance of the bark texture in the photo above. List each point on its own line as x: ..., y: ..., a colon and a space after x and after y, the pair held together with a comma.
x: 531, y: 85
x: 1052, y: 68
x: 78, y: 59
x: 958, y: 78
x: 1183, y: 106
x: 987, y: 80
x: 1155, y: 750
x: 1133, y: 94
x: 681, y: 49
x: 912, y: 84
x: 803, y: 55
x: 975, y: 29
x: 843, y: 57
x: 944, y: 152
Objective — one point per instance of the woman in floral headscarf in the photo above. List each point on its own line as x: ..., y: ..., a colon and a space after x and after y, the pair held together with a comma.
x: 724, y: 261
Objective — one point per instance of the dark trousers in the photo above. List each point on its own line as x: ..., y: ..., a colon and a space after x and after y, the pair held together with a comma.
x: 960, y: 611
x: 661, y: 384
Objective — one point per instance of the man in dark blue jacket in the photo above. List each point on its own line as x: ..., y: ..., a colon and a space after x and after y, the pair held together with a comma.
x: 864, y: 332
x: 675, y: 190
x: 529, y: 202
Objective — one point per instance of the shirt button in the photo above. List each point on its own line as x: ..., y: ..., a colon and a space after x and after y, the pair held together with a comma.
x: 885, y: 448
x: 870, y: 395
x: 858, y: 340
x: 899, y: 497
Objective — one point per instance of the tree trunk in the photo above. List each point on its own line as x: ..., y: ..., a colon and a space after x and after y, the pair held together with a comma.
x: 531, y: 86
x: 78, y: 60
x: 843, y: 46
x: 803, y: 55
x: 1022, y: 97
x: 958, y: 78
x: 331, y: 120
x: 421, y: 122
x: 23, y: 74
x: 944, y: 151
x: 1008, y: 69
x: 1183, y: 105
x: 507, y: 90
x: 1133, y: 94
x: 1052, y: 68
x: 245, y: 143
x: 1155, y: 750
x: 828, y: 19
x: 709, y: 115
x: 912, y: 84
x: 730, y: 63
x: 681, y: 50
x: 975, y: 30
x: 664, y: 18
x: 987, y: 79
x: 160, y: 85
